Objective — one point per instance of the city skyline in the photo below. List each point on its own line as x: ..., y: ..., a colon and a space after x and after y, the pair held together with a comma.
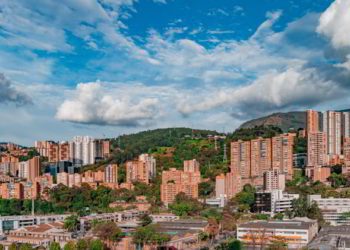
x: 104, y: 68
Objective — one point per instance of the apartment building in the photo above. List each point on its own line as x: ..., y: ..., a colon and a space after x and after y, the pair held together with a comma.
x: 346, y: 151
x: 332, y: 209
x: 282, y: 153
x: 318, y: 173
x: 295, y: 233
x: 54, y: 151
x: 240, y: 158
x: 142, y: 170
x: 261, y: 156
x: 317, y: 149
x: 11, y: 190
x: 176, y: 181
x: 82, y: 150
x: 313, y: 121
x: 228, y: 185
x: 111, y: 173
x: 332, y: 126
x: 274, y: 179
x: 251, y: 159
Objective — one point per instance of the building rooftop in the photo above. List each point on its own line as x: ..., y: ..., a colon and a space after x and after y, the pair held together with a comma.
x: 287, y: 224
x: 332, y: 237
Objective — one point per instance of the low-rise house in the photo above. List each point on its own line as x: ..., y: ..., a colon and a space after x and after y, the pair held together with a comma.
x: 40, y: 235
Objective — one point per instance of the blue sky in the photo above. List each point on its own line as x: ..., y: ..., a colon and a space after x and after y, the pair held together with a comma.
x: 108, y: 67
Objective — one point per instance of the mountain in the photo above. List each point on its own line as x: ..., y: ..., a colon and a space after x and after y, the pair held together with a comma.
x: 285, y: 121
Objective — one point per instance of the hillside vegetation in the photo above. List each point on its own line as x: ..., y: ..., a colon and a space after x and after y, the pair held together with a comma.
x: 285, y: 121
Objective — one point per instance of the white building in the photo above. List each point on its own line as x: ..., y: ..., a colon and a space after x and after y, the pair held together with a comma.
x: 333, y: 209
x: 295, y: 233
x: 274, y: 180
x: 82, y: 150
x: 23, y: 169
x: 150, y: 163
x: 8, y: 223
x: 280, y: 201
x: 274, y: 201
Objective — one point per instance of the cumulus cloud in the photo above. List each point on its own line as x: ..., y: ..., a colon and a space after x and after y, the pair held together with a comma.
x: 9, y: 94
x: 335, y: 23
x: 296, y: 87
x: 95, y: 103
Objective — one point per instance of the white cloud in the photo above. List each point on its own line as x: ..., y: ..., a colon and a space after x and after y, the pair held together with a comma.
x: 295, y: 87
x: 335, y: 23
x: 106, y: 104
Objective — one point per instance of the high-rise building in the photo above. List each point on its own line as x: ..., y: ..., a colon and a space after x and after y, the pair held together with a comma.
x: 142, y: 170
x: 346, y: 124
x: 103, y: 148
x: 332, y: 127
x: 316, y: 149
x: 228, y: 185
x: 111, y: 173
x: 176, y: 181
x: 261, y: 151
x: 282, y: 153
x: 274, y: 180
x: 346, y: 151
x: 240, y: 158
x: 191, y: 165
x: 312, y: 121
x: 82, y: 150
x: 33, y: 168
x: 54, y: 151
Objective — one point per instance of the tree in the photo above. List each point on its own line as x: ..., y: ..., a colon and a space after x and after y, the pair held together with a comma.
x: 315, y: 213
x: 184, y: 205
x: 278, y: 216
x: 149, y: 235
x: 25, y: 246
x: 54, y: 246
x: 300, y: 207
x: 96, y: 245
x: 82, y: 244
x: 145, y: 220
x: 71, y: 223
x: 70, y: 245
x: 13, y: 246
x: 230, y: 244
x: 107, y: 231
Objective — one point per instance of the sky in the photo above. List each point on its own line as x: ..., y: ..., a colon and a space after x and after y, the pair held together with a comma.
x: 110, y: 67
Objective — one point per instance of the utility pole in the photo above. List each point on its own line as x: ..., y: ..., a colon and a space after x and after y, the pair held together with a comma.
x: 33, y: 206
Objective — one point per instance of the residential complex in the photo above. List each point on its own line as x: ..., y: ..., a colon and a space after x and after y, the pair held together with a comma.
x: 142, y: 170
x: 81, y: 150
x: 251, y: 159
x: 328, y: 137
x: 176, y: 181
